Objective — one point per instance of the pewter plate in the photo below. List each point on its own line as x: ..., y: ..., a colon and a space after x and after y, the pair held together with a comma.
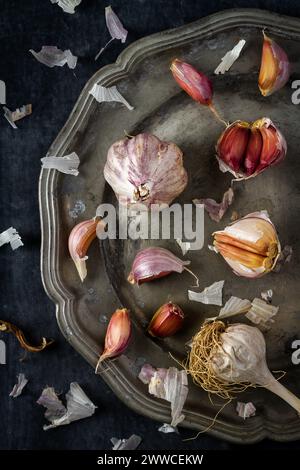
x: 142, y: 75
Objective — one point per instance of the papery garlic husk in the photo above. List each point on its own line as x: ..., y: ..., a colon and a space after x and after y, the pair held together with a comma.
x: 145, y: 170
x: 228, y: 359
x: 274, y: 69
x: 197, y: 85
x: 80, y: 240
x: 155, y: 262
x: 166, y: 321
x: 250, y: 245
x: 245, y: 149
x: 117, y: 335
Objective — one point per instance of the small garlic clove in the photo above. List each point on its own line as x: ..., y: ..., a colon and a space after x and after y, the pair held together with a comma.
x: 117, y: 335
x: 274, y: 69
x: 167, y: 320
x: 249, y: 245
x: 274, y: 145
x: 194, y: 83
x: 80, y: 240
x: 232, y: 144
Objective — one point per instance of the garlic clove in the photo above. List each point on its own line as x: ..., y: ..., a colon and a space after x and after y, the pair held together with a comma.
x: 80, y: 240
x: 194, y: 83
x: 232, y: 144
x: 253, y: 151
x: 273, y: 149
x: 249, y: 245
x: 274, y: 69
x: 154, y: 262
x: 117, y: 335
x: 166, y: 321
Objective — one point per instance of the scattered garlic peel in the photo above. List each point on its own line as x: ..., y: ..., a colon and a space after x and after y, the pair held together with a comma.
x: 131, y: 443
x: 211, y: 295
x: 52, y: 56
x: 68, y: 6
x: 261, y: 313
x: 68, y: 164
x: 245, y: 410
x: 284, y: 257
x: 230, y: 57
x: 19, y: 113
x: 19, y: 386
x: 233, y: 306
x: 217, y: 210
x: 11, y: 236
x: 115, y: 28
x: 8, y: 327
x: 267, y: 295
x: 184, y: 246
x: 103, y: 94
x: 170, y: 385
x: 167, y: 429
x: 2, y: 92
x: 79, y: 406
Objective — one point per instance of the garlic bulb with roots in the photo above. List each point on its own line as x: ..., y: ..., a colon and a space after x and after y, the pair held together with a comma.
x: 228, y: 359
x: 145, y: 170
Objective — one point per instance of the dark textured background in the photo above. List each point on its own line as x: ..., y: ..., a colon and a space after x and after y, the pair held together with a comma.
x: 26, y: 24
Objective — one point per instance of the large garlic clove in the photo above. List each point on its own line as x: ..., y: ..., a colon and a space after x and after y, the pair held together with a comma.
x: 246, y: 149
x: 250, y: 245
x: 145, y: 170
x: 117, y: 335
x: 166, y: 321
x: 80, y: 240
x: 274, y: 69
x: 153, y: 263
x: 193, y: 82
x: 232, y: 144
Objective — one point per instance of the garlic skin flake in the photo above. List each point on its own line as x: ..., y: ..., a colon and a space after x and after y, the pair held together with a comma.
x: 19, y: 113
x: 250, y: 245
x: 216, y: 210
x: 2, y: 92
x: 52, y: 56
x: 103, y: 94
x: 68, y: 6
x: 11, y: 236
x: 115, y: 28
x: 79, y: 406
x: 145, y: 170
x: 261, y: 313
x: 211, y: 295
x: 234, y: 306
x: 131, y: 443
x: 170, y: 385
x: 245, y: 410
x: 230, y: 57
x: 19, y: 386
x: 68, y: 164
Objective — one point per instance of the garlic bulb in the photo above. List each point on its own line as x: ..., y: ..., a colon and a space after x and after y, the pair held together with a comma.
x: 225, y: 360
x: 246, y: 149
x: 144, y: 169
x: 250, y: 245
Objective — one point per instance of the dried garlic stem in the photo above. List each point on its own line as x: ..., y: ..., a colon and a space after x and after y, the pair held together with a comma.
x: 217, y: 115
x: 278, y: 389
x: 8, y: 327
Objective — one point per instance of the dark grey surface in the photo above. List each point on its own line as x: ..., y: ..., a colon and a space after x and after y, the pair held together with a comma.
x: 30, y: 24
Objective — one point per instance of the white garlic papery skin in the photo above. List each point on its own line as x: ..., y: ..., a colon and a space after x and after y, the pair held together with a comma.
x: 144, y: 170
x: 241, y: 358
